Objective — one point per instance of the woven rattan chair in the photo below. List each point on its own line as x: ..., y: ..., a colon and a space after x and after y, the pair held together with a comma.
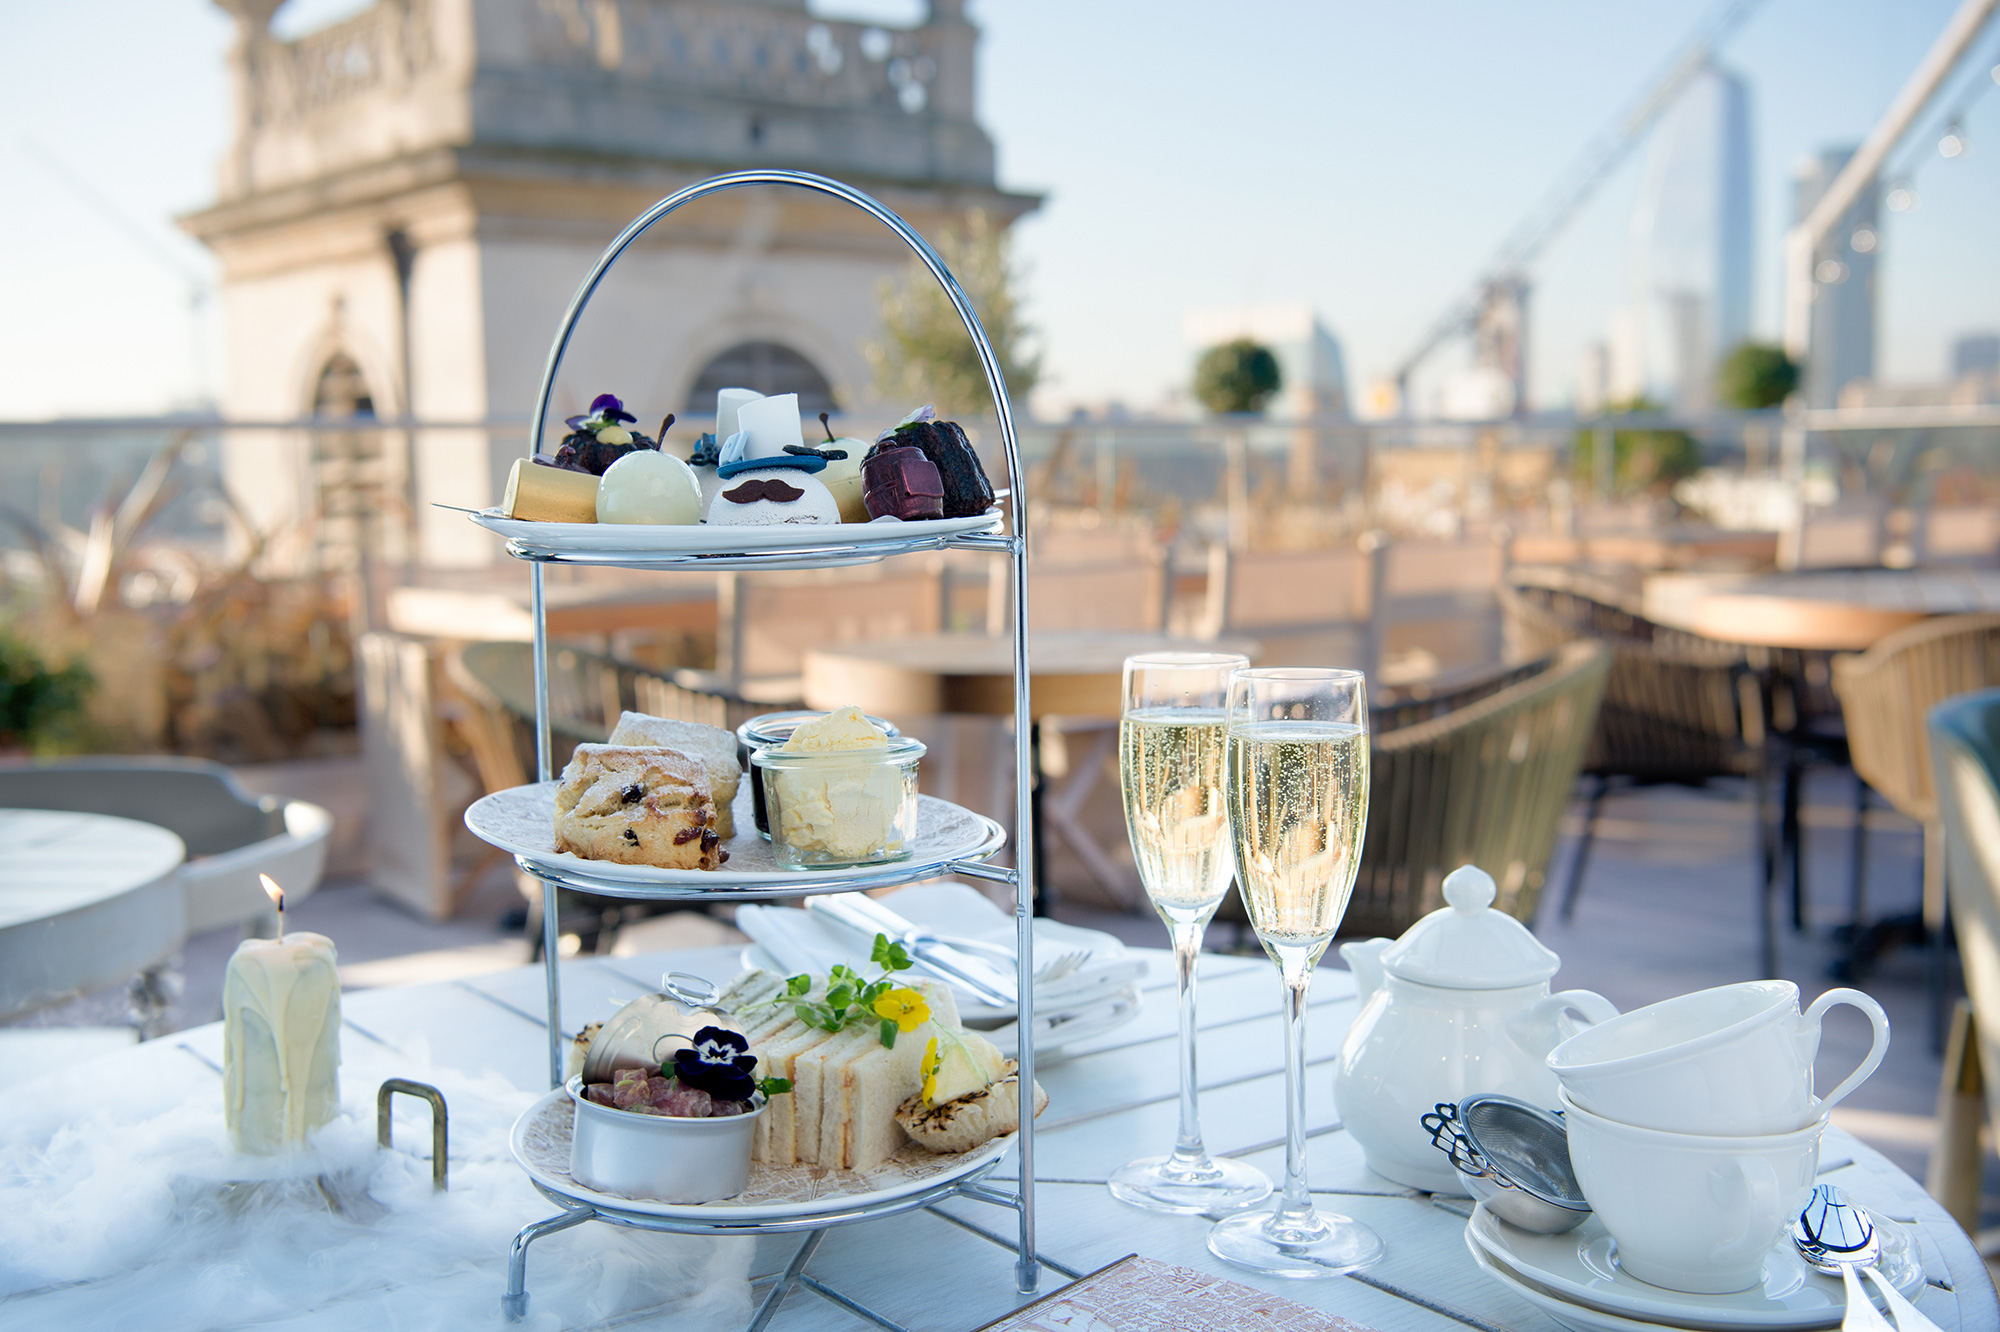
x: 1885, y: 693
x: 1964, y: 737
x: 496, y: 720
x: 1483, y: 784
x: 1677, y: 708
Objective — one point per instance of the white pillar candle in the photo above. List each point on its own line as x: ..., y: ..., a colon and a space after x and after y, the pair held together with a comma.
x: 728, y: 402
x: 280, y: 1041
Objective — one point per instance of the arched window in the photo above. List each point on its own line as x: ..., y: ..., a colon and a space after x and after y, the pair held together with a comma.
x: 342, y: 392
x: 764, y: 367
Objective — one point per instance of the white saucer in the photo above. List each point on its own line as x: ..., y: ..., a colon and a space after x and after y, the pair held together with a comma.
x: 1575, y: 1278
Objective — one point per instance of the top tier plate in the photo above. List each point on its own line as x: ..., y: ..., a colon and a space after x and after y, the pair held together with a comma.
x: 697, y: 545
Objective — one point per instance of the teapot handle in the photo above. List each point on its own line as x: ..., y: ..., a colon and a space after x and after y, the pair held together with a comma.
x: 1556, y: 1010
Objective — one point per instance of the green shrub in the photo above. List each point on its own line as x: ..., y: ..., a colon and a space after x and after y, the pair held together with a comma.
x: 1236, y: 377
x: 37, y: 702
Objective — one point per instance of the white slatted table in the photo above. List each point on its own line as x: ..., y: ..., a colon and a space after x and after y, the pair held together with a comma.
x: 947, y: 1267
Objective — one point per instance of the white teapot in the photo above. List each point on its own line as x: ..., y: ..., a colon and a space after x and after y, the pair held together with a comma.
x: 1460, y: 1004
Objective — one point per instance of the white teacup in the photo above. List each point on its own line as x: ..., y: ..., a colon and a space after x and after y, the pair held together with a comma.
x: 1737, y: 1059
x: 1692, y: 1212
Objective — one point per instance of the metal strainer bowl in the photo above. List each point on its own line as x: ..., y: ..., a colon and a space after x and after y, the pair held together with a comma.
x: 1514, y: 1157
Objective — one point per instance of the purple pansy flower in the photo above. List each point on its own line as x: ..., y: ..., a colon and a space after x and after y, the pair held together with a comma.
x: 605, y: 409
x: 720, y: 1063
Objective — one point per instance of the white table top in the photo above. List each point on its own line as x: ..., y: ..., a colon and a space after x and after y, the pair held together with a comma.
x: 944, y: 1267
x: 86, y: 900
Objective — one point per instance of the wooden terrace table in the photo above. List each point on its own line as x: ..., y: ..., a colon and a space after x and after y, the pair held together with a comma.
x: 1844, y: 610
x: 945, y: 1267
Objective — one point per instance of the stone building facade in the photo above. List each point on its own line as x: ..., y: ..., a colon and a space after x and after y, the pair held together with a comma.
x: 414, y: 194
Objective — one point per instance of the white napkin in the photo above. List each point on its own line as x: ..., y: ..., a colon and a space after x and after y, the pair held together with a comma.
x: 802, y: 940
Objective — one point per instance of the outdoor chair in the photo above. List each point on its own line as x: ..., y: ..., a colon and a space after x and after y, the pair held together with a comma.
x: 1677, y: 709
x: 1304, y: 606
x: 1966, y: 535
x: 1483, y: 784
x: 1121, y: 595
x: 231, y: 835
x: 767, y: 622
x: 1846, y: 535
x: 1964, y: 735
x: 1885, y: 694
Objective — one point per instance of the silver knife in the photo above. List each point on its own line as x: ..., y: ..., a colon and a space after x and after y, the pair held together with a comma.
x: 985, y: 980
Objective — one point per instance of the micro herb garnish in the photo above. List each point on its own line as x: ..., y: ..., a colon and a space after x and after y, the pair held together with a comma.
x: 850, y: 999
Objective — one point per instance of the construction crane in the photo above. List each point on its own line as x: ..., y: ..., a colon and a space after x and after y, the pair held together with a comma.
x: 1494, y: 308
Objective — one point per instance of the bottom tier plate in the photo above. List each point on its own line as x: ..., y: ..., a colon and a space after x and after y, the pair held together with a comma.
x: 541, y: 1139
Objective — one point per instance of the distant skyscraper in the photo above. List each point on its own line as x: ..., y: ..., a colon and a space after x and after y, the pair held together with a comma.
x: 1843, y: 317
x: 1975, y: 354
x: 1691, y: 247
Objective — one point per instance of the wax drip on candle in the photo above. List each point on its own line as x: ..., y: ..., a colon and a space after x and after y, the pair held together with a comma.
x: 277, y: 896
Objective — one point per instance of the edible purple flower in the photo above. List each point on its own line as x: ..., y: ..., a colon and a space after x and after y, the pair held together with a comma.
x: 605, y: 409
x: 719, y: 1063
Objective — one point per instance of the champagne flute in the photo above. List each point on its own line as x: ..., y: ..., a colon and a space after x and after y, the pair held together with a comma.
x: 1297, y: 781
x: 1170, y: 763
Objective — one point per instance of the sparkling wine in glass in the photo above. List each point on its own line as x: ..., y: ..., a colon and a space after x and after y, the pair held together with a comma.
x: 1171, y: 743
x: 1297, y: 784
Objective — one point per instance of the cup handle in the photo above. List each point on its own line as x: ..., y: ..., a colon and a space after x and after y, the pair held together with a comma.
x: 1876, y: 1019
x: 1591, y: 1006
x: 1760, y: 1199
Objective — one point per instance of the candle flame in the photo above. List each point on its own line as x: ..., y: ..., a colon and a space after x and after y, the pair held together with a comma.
x: 272, y: 890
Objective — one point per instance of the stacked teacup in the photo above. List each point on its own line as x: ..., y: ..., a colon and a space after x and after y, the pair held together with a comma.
x: 1694, y: 1129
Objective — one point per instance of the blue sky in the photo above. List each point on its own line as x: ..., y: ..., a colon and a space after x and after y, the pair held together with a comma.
x: 1364, y: 157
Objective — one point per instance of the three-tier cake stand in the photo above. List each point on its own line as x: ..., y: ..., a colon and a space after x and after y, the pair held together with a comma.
x: 973, y: 838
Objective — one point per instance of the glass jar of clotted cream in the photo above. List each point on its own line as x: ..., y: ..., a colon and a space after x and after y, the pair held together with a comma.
x: 831, y: 809
x: 774, y: 728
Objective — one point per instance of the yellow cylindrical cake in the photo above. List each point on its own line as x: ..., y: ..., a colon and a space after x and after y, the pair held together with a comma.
x: 280, y: 1041
x: 538, y: 494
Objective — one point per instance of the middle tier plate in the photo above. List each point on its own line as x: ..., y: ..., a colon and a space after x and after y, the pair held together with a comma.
x: 521, y: 822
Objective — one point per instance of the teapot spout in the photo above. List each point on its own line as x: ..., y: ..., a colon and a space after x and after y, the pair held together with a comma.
x: 1364, y: 958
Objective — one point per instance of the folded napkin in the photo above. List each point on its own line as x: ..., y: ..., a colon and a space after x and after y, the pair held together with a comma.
x: 802, y: 940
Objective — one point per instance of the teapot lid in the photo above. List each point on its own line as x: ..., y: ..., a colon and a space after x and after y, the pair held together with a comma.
x: 1467, y: 945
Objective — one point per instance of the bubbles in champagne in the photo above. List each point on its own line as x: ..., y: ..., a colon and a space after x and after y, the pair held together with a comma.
x: 1298, y: 802
x: 1170, y: 763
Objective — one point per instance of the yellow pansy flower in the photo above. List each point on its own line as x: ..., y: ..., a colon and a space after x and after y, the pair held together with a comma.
x: 904, y: 1007
x: 930, y: 1070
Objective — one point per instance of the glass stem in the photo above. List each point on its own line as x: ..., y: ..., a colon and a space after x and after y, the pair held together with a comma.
x: 1296, y: 1208
x: 1188, y: 1151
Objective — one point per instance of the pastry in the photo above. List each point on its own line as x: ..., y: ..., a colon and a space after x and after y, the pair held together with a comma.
x: 637, y: 806
x: 967, y: 492
x: 971, y: 1120
x: 647, y: 486
x: 712, y: 746
x: 755, y: 499
x: 900, y: 482
x: 766, y: 470
x: 538, y: 491
x: 599, y: 438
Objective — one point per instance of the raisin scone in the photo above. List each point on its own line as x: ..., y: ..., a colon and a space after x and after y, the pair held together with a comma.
x: 715, y: 747
x: 638, y: 806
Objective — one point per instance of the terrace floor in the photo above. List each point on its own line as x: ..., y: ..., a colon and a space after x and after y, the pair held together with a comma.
x: 1668, y: 906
